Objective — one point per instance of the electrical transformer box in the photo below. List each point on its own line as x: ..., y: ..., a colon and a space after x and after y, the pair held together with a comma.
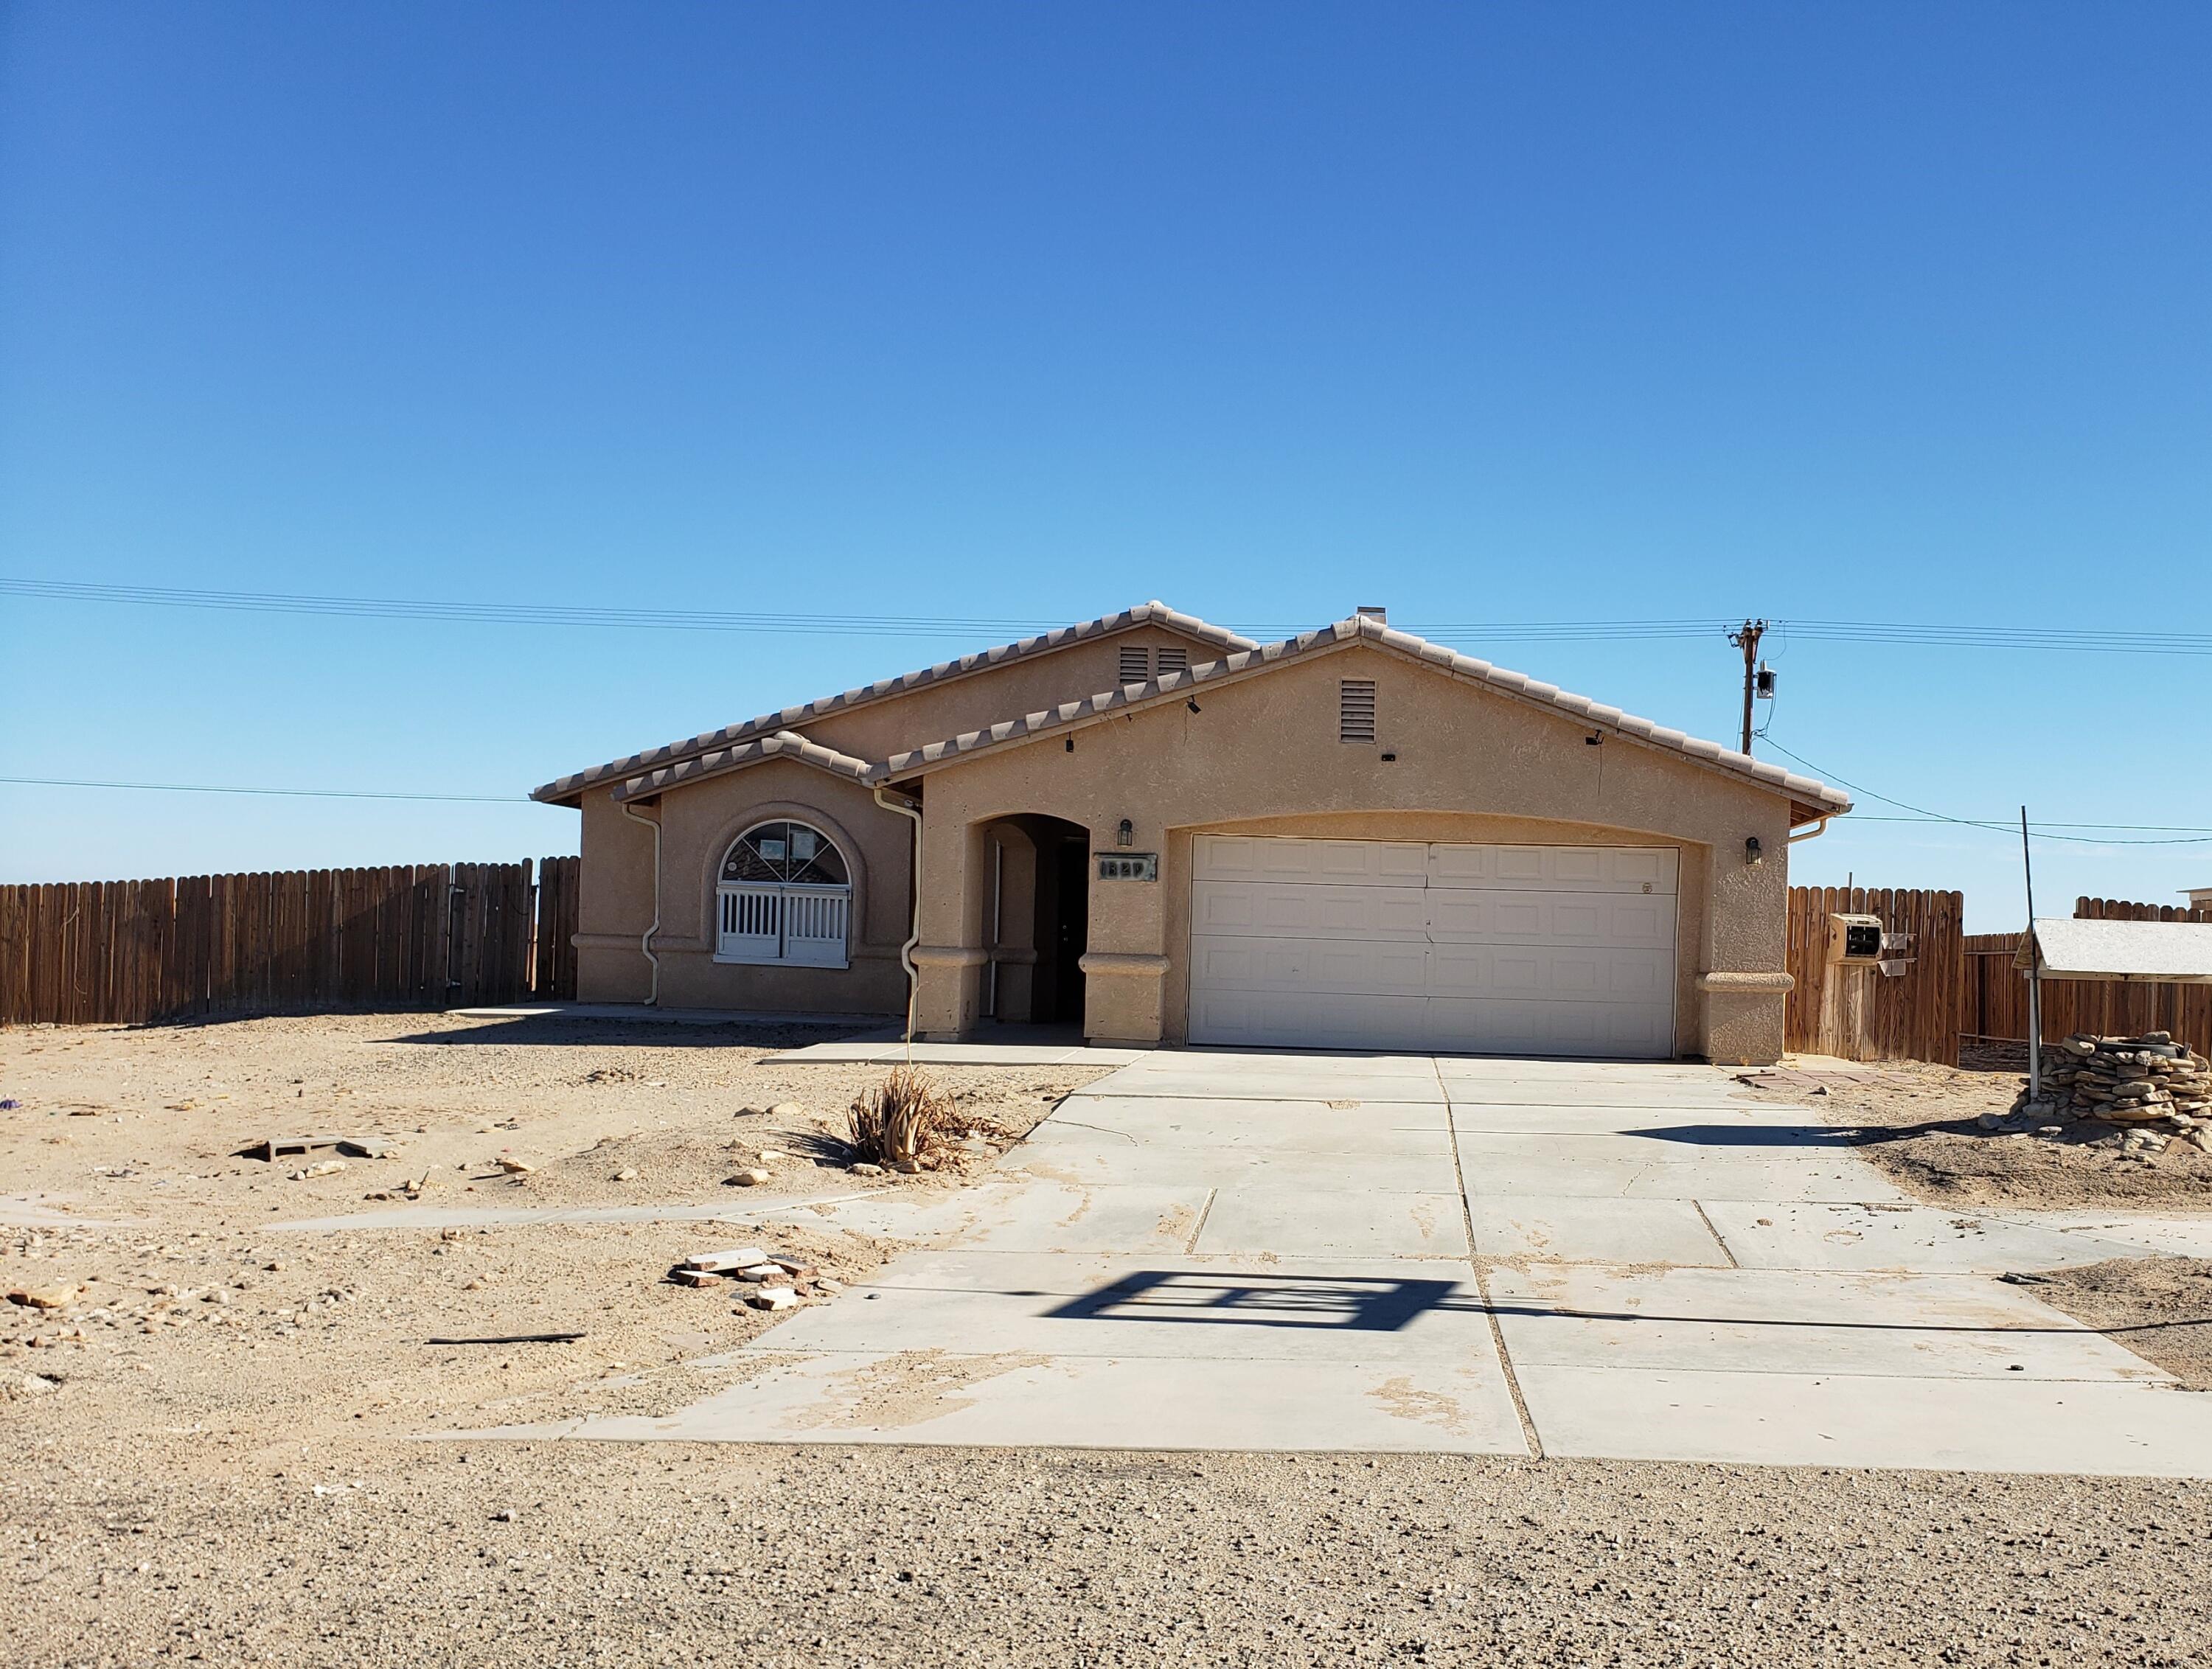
x: 1855, y: 938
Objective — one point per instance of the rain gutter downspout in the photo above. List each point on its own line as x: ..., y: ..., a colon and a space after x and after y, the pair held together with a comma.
x: 1813, y: 832
x: 653, y: 997
x: 907, y: 808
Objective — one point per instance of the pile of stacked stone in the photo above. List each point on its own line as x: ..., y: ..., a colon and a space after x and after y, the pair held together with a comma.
x: 2147, y: 1080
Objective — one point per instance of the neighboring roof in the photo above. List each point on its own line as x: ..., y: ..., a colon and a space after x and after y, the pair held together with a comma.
x: 1816, y: 799
x: 1145, y: 613
x: 2178, y: 952
x: 784, y: 744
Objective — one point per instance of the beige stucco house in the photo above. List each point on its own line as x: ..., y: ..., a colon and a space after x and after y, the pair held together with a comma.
x: 1165, y: 832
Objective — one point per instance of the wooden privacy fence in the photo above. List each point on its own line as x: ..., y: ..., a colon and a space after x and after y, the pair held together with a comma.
x: 1863, y: 1015
x: 1993, y: 1003
x: 414, y: 937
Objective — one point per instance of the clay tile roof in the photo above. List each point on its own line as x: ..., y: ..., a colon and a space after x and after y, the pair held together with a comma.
x: 729, y: 736
x: 1817, y: 796
x: 783, y: 744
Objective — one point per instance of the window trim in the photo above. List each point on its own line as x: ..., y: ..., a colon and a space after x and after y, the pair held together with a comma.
x: 783, y: 894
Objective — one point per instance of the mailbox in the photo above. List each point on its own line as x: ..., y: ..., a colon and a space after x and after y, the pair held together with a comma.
x: 1855, y: 939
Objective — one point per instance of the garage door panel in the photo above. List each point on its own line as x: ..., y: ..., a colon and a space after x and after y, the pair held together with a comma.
x: 1619, y: 1030
x: 1345, y: 967
x: 1278, y: 907
x: 1564, y: 972
x: 1344, y: 863
x: 1551, y: 918
x: 1262, y: 1018
x: 1555, y: 869
x: 1382, y: 945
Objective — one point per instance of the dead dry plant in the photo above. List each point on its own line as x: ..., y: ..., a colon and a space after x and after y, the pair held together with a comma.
x: 900, y: 1120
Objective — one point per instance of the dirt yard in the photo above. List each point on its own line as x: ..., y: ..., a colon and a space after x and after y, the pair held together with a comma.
x: 212, y: 1450
x: 1922, y: 1130
x: 2159, y: 1307
x: 179, y: 1306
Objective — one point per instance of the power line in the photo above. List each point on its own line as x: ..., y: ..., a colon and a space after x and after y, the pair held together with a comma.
x: 1923, y: 815
x: 1463, y: 633
x: 293, y: 793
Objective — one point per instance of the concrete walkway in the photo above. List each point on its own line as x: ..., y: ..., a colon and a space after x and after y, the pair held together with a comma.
x: 1241, y: 1250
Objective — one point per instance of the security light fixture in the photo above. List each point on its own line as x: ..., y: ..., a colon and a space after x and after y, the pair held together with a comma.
x: 1125, y: 834
x: 1753, y: 858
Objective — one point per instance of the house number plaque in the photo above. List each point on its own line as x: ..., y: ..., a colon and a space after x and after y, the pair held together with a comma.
x: 1128, y: 866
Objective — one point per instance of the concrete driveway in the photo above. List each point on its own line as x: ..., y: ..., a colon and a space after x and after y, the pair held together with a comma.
x: 1288, y: 1252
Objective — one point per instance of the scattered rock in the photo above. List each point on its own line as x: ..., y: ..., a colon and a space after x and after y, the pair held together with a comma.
x: 45, y: 1297
x: 724, y: 1262
x: 786, y: 1110
x: 2134, y: 1081
x: 516, y: 1168
x: 750, y: 1178
x: 26, y: 1386
x: 320, y: 1168
x: 627, y: 1174
x: 867, y: 1170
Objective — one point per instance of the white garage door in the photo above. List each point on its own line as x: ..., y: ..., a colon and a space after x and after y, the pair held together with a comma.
x: 1385, y: 944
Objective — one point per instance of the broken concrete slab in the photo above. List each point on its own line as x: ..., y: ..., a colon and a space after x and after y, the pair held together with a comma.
x: 1791, y: 1321
x: 1770, y: 1233
x: 1015, y: 1399
x: 1335, y: 1222
x: 1571, y: 1229
x: 1790, y: 1419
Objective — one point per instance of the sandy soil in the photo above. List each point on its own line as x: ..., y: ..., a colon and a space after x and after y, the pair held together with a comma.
x: 218, y: 1463
x: 1920, y: 1126
x: 189, y: 1313
x: 2159, y: 1307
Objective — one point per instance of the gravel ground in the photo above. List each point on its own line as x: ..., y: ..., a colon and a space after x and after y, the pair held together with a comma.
x: 1919, y: 1124
x: 212, y: 1455
x: 379, y: 1553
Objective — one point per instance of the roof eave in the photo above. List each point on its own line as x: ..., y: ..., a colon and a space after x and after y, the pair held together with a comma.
x: 570, y: 790
x: 1815, y: 800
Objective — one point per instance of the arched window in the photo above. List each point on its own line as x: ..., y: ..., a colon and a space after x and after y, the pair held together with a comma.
x: 784, y: 896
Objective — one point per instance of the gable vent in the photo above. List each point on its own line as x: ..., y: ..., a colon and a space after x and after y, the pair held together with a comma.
x: 1355, y: 710
x: 1136, y: 666
x: 1174, y: 660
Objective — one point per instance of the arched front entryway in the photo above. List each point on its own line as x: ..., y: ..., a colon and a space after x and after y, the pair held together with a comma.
x: 1036, y: 919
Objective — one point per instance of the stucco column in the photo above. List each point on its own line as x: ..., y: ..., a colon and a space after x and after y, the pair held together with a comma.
x: 1744, y: 984
x: 1125, y: 967
x: 948, y: 962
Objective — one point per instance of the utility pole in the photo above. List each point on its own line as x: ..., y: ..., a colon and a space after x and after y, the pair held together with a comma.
x: 2034, y: 973
x: 1748, y: 640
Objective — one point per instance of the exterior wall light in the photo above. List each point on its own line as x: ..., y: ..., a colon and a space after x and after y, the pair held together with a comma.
x: 1753, y: 856
x: 1125, y: 834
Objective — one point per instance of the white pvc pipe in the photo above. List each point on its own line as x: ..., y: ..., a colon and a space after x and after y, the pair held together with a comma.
x: 907, y: 809
x: 653, y: 998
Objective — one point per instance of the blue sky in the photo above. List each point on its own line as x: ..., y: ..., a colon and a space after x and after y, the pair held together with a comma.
x: 1496, y: 313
